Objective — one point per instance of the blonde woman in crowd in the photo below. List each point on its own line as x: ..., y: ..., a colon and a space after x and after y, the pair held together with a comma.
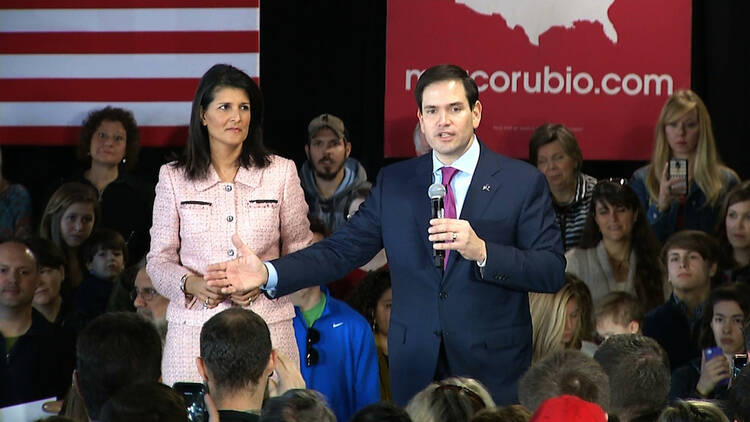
x: 683, y: 131
x: 454, y: 399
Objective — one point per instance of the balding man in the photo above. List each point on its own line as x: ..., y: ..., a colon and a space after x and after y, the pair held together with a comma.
x: 37, y: 356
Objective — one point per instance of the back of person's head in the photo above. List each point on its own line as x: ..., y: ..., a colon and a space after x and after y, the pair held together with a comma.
x: 317, y: 226
x: 622, y: 309
x: 145, y: 402
x: 48, y: 254
x: 235, y: 347
x: 368, y: 292
x: 103, y: 239
x: 638, y: 371
x: 548, y: 133
x: 568, y: 408
x: 115, y: 350
x: 381, y: 412
x: 564, y: 372
x: 692, y: 411
x: 739, y: 396
x: 453, y: 399
x: 297, y: 405
x: 512, y: 413
x: 65, y: 196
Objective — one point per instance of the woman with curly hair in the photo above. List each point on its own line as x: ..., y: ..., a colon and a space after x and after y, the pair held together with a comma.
x: 108, y: 149
x: 618, y: 249
x: 683, y: 131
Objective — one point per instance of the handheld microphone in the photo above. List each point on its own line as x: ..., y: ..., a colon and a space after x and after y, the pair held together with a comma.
x: 436, y: 192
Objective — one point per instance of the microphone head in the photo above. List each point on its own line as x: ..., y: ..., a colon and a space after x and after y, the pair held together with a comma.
x: 436, y: 191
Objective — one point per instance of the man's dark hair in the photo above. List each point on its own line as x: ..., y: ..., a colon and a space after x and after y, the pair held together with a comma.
x: 381, y: 412
x: 446, y: 72
x: 297, y: 405
x: 235, y: 346
x: 196, y: 158
x: 639, y: 376
x: 739, y: 396
x: 145, y: 401
x: 114, y: 350
x: 47, y: 253
x: 564, y: 372
x: 104, y: 239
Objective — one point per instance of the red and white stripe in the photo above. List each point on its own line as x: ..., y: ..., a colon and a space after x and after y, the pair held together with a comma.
x: 60, y: 59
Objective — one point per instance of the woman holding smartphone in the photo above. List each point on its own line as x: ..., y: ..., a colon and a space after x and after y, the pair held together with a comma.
x: 683, y: 132
x: 722, y: 335
x: 225, y: 183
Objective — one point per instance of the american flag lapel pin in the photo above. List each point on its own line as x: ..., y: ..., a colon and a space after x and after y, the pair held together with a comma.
x: 486, y: 188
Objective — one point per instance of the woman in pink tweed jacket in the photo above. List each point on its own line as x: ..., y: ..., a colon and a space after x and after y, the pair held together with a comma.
x: 224, y: 183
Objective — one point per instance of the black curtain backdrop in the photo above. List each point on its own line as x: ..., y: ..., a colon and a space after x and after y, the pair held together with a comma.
x: 329, y: 56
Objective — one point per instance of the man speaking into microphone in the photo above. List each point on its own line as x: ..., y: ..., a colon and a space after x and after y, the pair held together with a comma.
x: 468, y: 315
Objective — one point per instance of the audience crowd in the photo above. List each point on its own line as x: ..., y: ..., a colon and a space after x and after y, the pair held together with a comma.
x: 652, y: 323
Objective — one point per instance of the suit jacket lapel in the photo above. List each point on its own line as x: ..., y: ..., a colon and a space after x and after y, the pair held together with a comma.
x: 418, y: 186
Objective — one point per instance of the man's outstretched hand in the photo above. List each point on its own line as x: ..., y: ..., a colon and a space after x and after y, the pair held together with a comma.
x: 241, y: 275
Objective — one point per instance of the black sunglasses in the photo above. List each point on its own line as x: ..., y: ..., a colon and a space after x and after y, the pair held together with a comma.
x: 311, y: 355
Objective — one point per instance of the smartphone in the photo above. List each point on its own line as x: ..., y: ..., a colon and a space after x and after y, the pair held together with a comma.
x: 739, y: 362
x: 192, y: 393
x: 713, y: 353
x: 677, y: 168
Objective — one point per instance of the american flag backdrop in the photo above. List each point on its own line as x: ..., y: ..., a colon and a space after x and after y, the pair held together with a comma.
x: 60, y: 59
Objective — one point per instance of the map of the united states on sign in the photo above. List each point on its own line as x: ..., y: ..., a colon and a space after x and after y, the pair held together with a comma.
x: 536, y: 17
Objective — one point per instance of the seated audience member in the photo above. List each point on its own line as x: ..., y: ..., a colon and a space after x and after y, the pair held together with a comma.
x: 381, y: 412
x: 329, y: 177
x: 68, y: 220
x: 421, y: 147
x: 49, y: 298
x: 15, y: 209
x: 452, y: 399
x: 739, y: 396
x: 108, y: 148
x: 372, y: 298
x: 105, y: 254
x: 560, y: 320
x: 37, y: 356
x: 344, y: 288
x: 618, y: 313
x: 692, y: 411
x: 337, y: 351
x: 554, y: 150
x: 149, y: 303
x: 734, y: 234
x: 236, y: 362
x: 145, y: 401
x: 618, y: 251
x: 570, y: 409
x: 297, y: 405
x: 564, y: 372
x: 691, y: 259
x: 115, y: 350
x: 512, y: 413
x: 724, y: 317
x: 683, y: 131
x: 638, y: 371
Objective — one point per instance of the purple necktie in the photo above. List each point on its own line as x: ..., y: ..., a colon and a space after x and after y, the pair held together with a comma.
x: 449, y: 202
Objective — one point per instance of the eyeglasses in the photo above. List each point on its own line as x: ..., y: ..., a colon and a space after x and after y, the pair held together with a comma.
x: 146, y: 294
x: 311, y: 355
x: 476, y: 402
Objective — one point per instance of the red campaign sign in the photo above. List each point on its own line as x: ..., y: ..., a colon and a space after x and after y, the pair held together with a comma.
x: 602, y: 67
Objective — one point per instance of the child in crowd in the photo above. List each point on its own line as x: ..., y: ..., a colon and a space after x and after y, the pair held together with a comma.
x: 105, y: 254
x: 691, y: 258
x: 69, y: 218
x: 618, y: 313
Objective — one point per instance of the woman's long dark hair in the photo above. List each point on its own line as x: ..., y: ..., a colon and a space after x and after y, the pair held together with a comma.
x: 196, y: 158
x: 739, y: 193
x: 649, y: 279
x: 735, y: 292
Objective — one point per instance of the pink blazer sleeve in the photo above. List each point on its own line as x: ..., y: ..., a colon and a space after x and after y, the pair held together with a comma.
x: 295, y: 227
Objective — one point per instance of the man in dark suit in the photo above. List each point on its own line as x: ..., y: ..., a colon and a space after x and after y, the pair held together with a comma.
x: 470, y: 318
